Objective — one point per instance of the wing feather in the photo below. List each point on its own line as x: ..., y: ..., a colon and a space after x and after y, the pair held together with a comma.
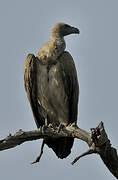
x: 30, y: 83
x: 71, y: 85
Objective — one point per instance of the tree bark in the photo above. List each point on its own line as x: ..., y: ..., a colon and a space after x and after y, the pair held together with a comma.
x: 97, y: 141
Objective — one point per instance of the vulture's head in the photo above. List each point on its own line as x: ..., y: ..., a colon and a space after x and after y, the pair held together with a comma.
x: 62, y: 29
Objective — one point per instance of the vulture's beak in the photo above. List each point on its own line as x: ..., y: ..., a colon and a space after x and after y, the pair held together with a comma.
x: 75, y: 30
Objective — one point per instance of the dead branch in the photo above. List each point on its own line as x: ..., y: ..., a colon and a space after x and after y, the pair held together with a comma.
x: 97, y: 141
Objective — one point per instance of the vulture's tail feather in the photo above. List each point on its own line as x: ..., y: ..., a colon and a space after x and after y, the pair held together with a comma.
x: 61, y: 146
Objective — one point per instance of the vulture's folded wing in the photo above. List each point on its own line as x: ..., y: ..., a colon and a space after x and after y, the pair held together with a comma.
x: 30, y: 83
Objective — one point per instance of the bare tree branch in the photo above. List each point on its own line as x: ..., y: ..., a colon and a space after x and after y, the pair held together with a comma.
x: 97, y: 141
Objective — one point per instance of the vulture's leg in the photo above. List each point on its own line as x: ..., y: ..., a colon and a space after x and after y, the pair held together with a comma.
x: 41, y: 153
x: 46, y: 122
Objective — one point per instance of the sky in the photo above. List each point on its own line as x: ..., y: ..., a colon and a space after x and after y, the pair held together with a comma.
x: 24, y: 27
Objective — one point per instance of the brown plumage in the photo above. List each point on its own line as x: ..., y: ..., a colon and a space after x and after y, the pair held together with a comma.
x: 52, y: 87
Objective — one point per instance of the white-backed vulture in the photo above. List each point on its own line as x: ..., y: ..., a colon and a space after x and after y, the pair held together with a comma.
x: 52, y: 87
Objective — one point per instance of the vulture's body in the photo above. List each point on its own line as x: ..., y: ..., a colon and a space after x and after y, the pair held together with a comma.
x: 52, y: 87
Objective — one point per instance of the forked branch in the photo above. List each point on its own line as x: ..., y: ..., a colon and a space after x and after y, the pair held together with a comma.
x: 97, y: 141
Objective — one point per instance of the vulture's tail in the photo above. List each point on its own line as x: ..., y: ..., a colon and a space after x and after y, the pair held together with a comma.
x: 61, y: 146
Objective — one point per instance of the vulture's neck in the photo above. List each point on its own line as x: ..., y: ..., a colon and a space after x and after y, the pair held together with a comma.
x: 51, y: 50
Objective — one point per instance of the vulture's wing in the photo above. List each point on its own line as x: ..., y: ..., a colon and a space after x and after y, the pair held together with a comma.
x: 30, y: 83
x: 65, y: 90
x: 70, y: 83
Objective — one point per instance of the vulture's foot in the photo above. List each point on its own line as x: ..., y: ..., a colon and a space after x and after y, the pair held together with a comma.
x: 61, y: 126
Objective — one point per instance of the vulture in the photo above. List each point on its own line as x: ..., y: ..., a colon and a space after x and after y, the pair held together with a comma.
x: 51, y: 84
